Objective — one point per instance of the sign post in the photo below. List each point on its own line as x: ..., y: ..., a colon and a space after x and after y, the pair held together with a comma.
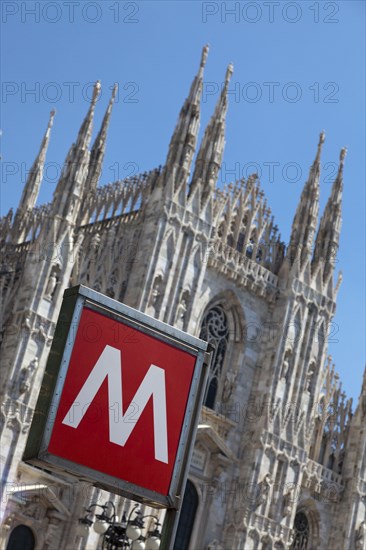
x: 120, y: 402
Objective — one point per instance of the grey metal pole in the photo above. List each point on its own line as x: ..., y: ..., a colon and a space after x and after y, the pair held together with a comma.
x: 171, y: 520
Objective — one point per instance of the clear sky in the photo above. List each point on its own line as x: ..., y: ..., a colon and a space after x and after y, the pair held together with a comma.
x: 298, y: 69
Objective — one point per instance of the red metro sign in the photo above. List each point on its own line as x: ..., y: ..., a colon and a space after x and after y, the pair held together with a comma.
x: 116, y: 401
x: 126, y: 394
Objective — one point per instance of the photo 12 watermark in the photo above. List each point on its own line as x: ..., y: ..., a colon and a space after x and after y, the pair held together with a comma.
x: 270, y: 12
x: 274, y: 171
x: 275, y: 91
x: 73, y: 12
x: 68, y: 91
x: 52, y: 171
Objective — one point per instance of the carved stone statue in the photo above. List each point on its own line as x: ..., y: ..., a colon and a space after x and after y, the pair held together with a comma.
x: 360, y: 541
x: 267, y: 481
x: 71, y: 207
x: 51, y: 285
x: 229, y: 384
x: 187, y: 154
x: 182, y: 310
x: 264, y: 489
x: 213, y: 170
x: 26, y: 375
x: 111, y: 290
x: 157, y: 293
x: 288, y: 499
x: 285, y: 366
x: 181, y: 313
x: 309, y: 376
x: 42, y: 335
x: 94, y: 247
x: 26, y: 324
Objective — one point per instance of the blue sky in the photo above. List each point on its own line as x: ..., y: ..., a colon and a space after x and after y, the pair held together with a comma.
x: 298, y: 69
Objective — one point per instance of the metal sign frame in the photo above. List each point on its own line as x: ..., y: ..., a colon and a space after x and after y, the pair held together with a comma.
x: 36, y: 452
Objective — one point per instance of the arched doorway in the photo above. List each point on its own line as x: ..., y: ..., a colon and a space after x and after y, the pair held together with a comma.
x: 21, y: 538
x: 187, y: 517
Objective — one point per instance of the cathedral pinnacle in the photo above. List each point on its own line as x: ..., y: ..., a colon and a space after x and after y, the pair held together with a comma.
x: 96, y: 92
x: 327, y: 240
x: 211, y: 150
x: 204, y: 55
x: 320, y: 146
x: 229, y: 74
x: 108, y: 112
x: 32, y: 186
x: 98, y: 149
x: 52, y: 116
x: 70, y: 187
x: 342, y: 156
x: 306, y: 217
x: 221, y: 106
x: 85, y: 131
x: 114, y: 91
x: 363, y: 389
x: 338, y: 184
x: 184, y: 139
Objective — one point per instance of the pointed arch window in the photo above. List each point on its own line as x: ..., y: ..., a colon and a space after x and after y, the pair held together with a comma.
x: 215, y: 330
x: 187, y: 517
x: 301, y: 531
x: 21, y: 537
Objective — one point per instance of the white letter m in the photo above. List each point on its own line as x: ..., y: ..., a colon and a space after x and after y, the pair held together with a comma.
x: 109, y: 365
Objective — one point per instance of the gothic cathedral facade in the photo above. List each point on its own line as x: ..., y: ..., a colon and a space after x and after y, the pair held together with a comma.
x: 280, y: 456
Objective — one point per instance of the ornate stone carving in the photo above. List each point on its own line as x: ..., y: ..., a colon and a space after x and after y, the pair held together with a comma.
x: 286, y: 365
x: 113, y: 284
x: 215, y: 330
x: 264, y: 489
x: 215, y: 545
x: 229, y: 384
x: 25, y: 376
x: 156, y: 294
x: 94, y: 246
x: 288, y: 499
x: 26, y: 323
x: 301, y: 531
x: 360, y: 539
x: 41, y: 333
x: 309, y: 377
x: 187, y: 154
x: 51, y: 285
x: 35, y: 509
x: 182, y: 310
x: 11, y: 412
